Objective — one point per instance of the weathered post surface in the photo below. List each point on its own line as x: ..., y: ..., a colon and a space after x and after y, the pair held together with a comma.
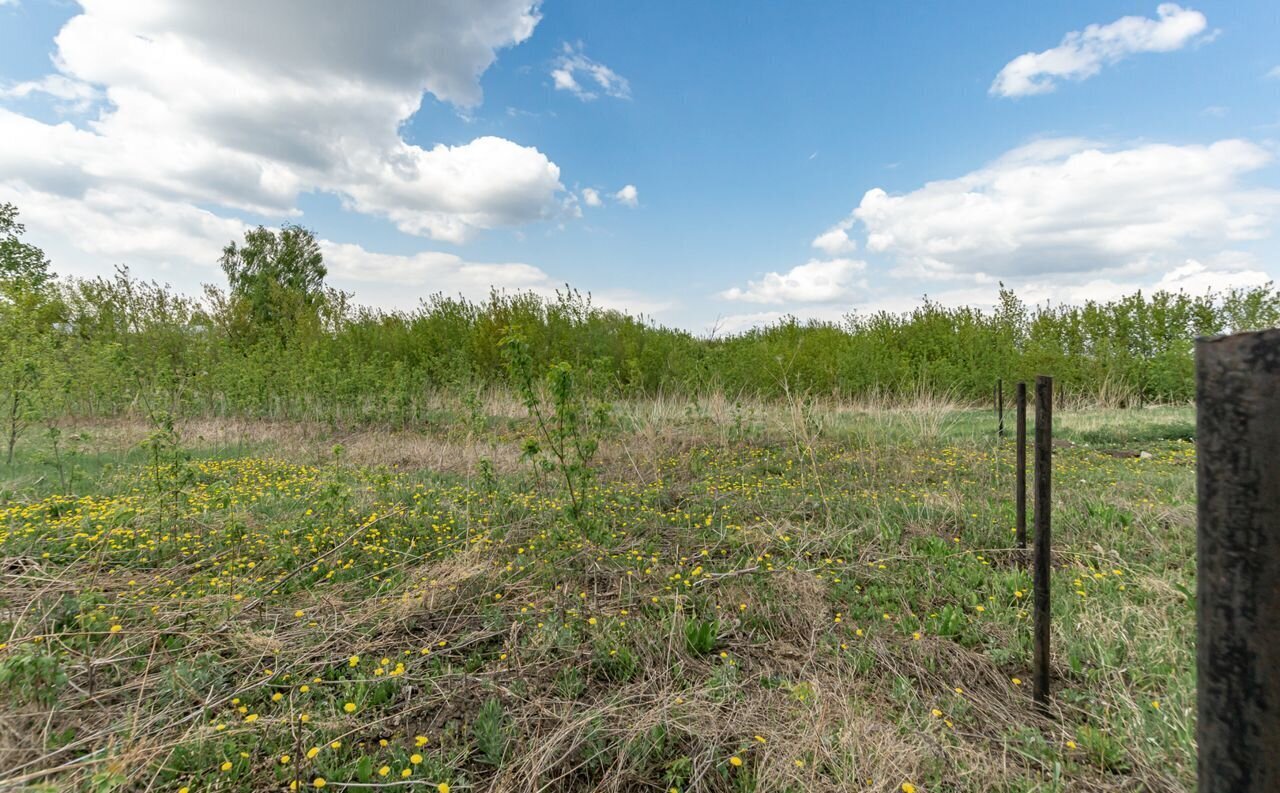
x: 1020, y: 496
x: 1041, y: 562
x: 1000, y: 407
x: 1238, y: 567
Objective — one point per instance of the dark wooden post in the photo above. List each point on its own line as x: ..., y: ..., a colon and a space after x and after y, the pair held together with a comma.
x: 1020, y: 497
x: 1041, y: 563
x: 1000, y: 407
x: 1238, y: 568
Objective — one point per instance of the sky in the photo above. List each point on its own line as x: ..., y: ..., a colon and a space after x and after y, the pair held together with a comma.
x: 712, y: 166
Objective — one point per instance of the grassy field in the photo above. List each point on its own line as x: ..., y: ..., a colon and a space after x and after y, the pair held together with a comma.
x: 754, y: 598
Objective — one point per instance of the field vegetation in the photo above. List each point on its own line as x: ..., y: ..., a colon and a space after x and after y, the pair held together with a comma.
x: 280, y: 344
x: 744, y: 597
x: 268, y: 540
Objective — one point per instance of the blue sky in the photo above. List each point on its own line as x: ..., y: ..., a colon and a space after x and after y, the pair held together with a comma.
x: 1133, y: 146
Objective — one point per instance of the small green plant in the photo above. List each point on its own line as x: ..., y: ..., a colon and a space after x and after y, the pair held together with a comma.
x: 488, y: 476
x: 490, y: 731
x: 700, y: 636
x: 567, y: 428
x: 31, y: 676
x: 167, y: 460
x: 570, y: 682
x: 1102, y: 749
x: 614, y: 664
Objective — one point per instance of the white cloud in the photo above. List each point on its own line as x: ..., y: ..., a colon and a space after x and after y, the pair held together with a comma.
x: 165, y: 238
x: 628, y: 196
x: 432, y: 271
x: 737, y: 323
x: 600, y: 78
x: 1082, y: 54
x: 449, y: 191
x: 1195, y: 277
x: 87, y: 233
x: 835, y: 240
x: 1066, y: 205
x: 1274, y: 74
x: 244, y: 105
x: 816, y: 281
x: 78, y: 95
x: 591, y: 197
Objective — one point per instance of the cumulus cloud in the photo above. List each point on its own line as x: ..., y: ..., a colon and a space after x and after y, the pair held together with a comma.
x: 816, y: 281
x: 591, y: 197
x: 572, y: 64
x: 835, y: 240
x: 1082, y: 54
x: 1068, y: 205
x: 628, y: 196
x: 247, y: 105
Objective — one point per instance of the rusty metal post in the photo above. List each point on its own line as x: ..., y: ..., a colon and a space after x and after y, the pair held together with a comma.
x: 1020, y: 495
x: 1000, y: 407
x: 1238, y: 562
x: 1041, y: 559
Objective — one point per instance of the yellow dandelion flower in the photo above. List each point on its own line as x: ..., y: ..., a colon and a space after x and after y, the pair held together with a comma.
x: 350, y: 707
x: 735, y: 761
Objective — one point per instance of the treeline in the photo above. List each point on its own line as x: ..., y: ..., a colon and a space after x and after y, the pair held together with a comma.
x: 279, y: 343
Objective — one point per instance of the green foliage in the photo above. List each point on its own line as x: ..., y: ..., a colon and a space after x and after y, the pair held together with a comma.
x: 19, y: 261
x: 281, y: 345
x: 31, y: 342
x: 276, y: 280
x: 568, y: 427
x: 340, y: 363
x: 29, y: 675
